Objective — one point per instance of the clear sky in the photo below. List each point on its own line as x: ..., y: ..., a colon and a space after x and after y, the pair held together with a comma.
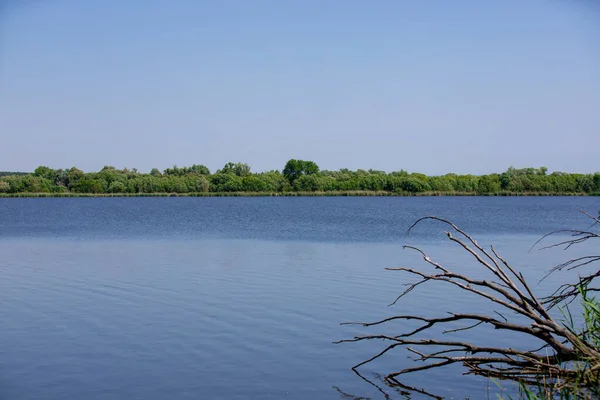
x: 432, y: 86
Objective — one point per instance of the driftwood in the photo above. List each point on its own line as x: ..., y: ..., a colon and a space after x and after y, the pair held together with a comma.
x: 561, y: 350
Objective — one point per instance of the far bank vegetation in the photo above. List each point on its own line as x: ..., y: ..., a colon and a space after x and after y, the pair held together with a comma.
x: 298, y: 177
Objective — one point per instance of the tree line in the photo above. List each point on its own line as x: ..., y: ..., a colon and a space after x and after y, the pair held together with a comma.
x: 296, y: 176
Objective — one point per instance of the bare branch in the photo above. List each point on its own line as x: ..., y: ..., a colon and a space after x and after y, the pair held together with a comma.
x: 509, y: 291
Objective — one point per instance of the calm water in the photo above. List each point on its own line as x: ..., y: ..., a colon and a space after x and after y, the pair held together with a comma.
x: 237, y: 298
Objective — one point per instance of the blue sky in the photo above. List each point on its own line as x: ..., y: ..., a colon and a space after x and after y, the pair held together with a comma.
x: 430, y: 86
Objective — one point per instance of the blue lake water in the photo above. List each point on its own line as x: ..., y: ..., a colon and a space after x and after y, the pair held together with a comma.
x: 240, y: 298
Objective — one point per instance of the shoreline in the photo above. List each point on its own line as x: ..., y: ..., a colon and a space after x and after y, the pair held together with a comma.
x: 361, y: 193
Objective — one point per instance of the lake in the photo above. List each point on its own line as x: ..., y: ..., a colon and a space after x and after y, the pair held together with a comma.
x: 240, y: 298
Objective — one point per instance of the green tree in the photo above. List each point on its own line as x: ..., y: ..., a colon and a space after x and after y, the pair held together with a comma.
x: 308, y: 183
x: 31, y: 184
x: 110, y: 175
x: 145, y: 184
x: 253, y: 183
x: 399, y: 173
x: 585, y: 183
x: 563, y: 183
x: 155, y: 172
x: 89, y: 185
x: 597, y: 181
x: 466, y: 183
x: 413, y: 185
x: 174, y: 184
x: 197, y: 184
x: 417, y: 175
x: 16, y: 183
x: 117, y: 187
x: 4, y: 186
x: 44, y: 172
x: 201, y: 169
x: 442, y: 183
x: 237, y: 169
x: 374, y: 182
x: 73, y: 176
x: 296, y: 168
x: 175, y: 171
x: 222, y: 182
x: 488, y: 184
x: 274, y: 181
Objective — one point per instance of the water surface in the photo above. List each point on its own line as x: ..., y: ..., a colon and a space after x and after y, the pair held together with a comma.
x: 152, y: 298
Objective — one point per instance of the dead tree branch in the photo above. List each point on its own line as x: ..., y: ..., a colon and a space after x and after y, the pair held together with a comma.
x: 566, y: 293
x: 559, y: 350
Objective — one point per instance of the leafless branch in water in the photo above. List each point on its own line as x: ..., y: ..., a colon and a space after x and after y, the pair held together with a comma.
x: 566, y: 293
x: 559, y: 350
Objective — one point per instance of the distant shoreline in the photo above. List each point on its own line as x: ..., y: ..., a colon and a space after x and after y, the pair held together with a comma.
x: 359, y: 193
x: 298, y: 178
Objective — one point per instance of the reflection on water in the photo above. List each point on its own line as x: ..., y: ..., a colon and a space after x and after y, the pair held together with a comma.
x: 378, y: 382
